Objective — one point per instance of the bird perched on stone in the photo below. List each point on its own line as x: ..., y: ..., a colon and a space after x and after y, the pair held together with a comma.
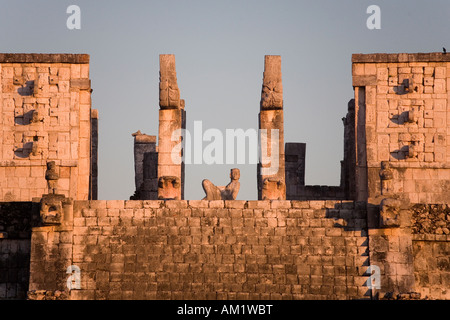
x: 445, y: 51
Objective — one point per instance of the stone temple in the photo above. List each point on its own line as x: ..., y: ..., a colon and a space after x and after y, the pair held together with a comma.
x: 383, y: 233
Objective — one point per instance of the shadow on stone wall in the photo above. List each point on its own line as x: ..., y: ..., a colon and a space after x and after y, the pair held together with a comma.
x: 352, y: 217
x: 16, y: 221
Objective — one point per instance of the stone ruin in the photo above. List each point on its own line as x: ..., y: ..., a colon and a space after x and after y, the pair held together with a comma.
x: 389, y: 215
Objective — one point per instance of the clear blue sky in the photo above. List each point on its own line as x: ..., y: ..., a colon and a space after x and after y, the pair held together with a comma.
x: 219, y: 48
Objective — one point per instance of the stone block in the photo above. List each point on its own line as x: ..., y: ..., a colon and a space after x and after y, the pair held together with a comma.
x: 280, y: 204
x: 97, y: 204
x: 316, y: 204
x: 198, y: 203
x: 333, y: 232
x: 115, y: 204
x: 258, y: 204
x: 155, y: 204
x: 235, y: 204
x: 358, y: 69
x: 300, y: 204
x: 133, y: 204
x: 370, y: 69
x: 176, y: 204
x: 216, y: 204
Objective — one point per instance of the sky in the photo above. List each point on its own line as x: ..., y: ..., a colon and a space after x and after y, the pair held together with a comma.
x: 219, y: 47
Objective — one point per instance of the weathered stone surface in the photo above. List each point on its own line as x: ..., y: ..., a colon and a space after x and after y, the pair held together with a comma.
x: 168, y: 188
x: 431, y: 219
x: 395, y: 122
x: 50, y: 120
x: 43, y: 58
x: 169, y: 93
x: 52, y: 176
x: 390, y: 213
x: 172, y: 119
x: 273, y: 189
x: 400, y: 57
x: 362, y: 81
x: 191, y: 242
x: 272, y: 88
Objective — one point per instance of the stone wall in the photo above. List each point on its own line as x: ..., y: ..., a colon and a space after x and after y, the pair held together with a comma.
x: 206, y: 250
x: 431, y: 249
x: 45, y: 115
x: 432, y: 265
x: 401, y: 117
x: 223, y: 250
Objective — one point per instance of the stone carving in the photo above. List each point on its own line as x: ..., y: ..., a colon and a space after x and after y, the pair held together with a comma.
x: 271, y: 178
x: 39, y: 84
x: 386, y: 175
x: 168, y: 187
x: 272, y: 88
x: 169, y: 93
x: 52, y: 176
x: 51, y: 210
x: 35, y: 148
x: 228, y: 192
x: 411, y: 151
x: 55, y: 209
x: 412, y: 116
x: 274, y: 189
x: 390, y: 213
x: 272, y: 95
x: 36, y: 118
x: 18, y: 80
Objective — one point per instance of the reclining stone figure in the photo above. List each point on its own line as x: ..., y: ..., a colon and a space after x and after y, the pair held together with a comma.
x: 228, y: 192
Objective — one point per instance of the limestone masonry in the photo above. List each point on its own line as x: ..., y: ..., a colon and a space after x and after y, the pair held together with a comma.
x: 383, y: 233
x: 46, y: 116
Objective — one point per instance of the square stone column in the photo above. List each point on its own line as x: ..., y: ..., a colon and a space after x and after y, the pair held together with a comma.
x: 295, y: 168
x: 171, y: 122
x: 271, y: 166
x: 145, y: 147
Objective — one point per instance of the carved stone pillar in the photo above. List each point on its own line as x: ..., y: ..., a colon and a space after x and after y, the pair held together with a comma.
x: 386, y: 175
x: 271, y: 166
x: 171, y: 120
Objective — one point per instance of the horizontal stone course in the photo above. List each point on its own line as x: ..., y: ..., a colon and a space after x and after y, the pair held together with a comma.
x: 44, y: 58
x: 400, y: 57
x: 218, y: 204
